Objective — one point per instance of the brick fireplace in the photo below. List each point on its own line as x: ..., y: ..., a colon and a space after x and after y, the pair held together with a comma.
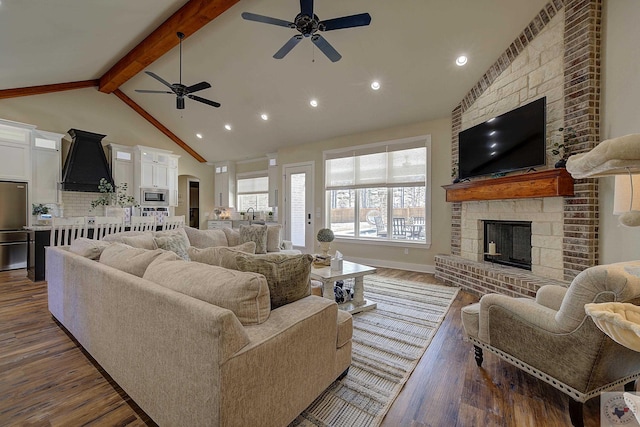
x: 557, y: 56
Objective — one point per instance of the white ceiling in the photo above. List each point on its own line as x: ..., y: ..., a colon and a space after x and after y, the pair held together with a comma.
x: 410, y: 47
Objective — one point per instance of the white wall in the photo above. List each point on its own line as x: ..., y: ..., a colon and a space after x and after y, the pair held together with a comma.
x: 620, y: 116
x: 93, y: 111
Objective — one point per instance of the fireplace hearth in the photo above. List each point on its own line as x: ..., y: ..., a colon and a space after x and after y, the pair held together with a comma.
x: 512, y: 241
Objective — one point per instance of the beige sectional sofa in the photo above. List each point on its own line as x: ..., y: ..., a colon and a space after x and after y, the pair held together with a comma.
x: 184, y: 360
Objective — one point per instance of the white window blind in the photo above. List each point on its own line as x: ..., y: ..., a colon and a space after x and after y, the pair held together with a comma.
x: 253, y: 185
x: 395, y: 165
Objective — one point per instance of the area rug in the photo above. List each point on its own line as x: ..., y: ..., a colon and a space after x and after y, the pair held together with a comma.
x: 388, y: 342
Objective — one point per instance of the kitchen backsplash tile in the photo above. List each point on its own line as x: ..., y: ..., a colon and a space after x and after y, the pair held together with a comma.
x: 77, y: 203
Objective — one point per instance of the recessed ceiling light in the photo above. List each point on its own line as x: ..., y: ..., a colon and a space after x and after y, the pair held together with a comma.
x: 375, y: 85
x: 264, y: 116
x: 313, y: 102
x: 461, y: 60
x: 227, y: 126
x: 199, y: 135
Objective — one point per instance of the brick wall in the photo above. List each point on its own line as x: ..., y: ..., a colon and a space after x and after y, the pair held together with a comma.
x: 564, y: 36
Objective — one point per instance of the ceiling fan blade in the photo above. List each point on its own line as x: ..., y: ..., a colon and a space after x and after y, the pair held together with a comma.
x: 293, y: 41
x: 180, y: 103
x: 306, y: 7
x: 160, y: 79
x: 326, y: 48
x: 153, y: 91
x: 204, y: 101
x: 359, y: 20
x: 267, y: 20
x: 198, y: 86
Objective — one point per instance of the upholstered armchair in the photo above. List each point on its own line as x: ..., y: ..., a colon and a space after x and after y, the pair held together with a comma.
x: 553, y: 339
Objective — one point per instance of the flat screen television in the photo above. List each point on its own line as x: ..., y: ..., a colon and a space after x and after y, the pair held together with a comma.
x: 512, y: 141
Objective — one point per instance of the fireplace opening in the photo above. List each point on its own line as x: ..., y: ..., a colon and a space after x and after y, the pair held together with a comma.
x: 512, y: 241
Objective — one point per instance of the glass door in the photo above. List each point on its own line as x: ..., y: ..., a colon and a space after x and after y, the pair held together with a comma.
x: 298, y: 200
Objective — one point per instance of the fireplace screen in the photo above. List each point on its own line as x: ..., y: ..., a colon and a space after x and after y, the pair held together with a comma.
x: 512, y: 241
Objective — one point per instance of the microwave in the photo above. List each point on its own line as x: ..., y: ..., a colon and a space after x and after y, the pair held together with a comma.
x: 154, y: 197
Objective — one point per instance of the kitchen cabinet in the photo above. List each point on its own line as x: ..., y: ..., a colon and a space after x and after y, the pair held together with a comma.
x: 15, y: 151
x: 153, y: 167
x: 211, y: 224
x: 274, y: 181
x: 123, y: 168
x: 46, y: 159
x: 173, y: 179
x: 225, y: 185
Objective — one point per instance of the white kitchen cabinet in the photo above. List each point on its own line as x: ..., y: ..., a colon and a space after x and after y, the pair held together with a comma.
x: 123, y: 168
x: 15, y: 150
x: 273, y: 183
x: 211, y: 224
x: 173, y: 179
x: 153, y: 167
x: 46, y: 160
x: 225, y: 185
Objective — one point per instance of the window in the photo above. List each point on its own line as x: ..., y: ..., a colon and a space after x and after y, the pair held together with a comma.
x: 379, y: 192
x: 253, y: 192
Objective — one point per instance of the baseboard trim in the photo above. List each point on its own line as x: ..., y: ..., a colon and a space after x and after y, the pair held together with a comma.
x: 420, y: 268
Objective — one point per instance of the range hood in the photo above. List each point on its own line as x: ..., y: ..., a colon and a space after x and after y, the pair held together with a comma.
x: 86, y: 163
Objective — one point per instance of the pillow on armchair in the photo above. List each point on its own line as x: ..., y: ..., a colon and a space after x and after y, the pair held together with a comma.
x: 255, y: 233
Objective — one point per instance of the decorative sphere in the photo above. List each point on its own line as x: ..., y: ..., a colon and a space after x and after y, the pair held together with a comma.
x: 325, y: 235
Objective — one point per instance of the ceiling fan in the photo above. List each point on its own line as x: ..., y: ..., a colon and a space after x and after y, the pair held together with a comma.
x: 308, y: 24
x: 179, y: 89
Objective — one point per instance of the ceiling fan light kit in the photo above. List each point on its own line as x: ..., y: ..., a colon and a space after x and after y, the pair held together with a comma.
x: 181, y: 91
x: 308, y: 24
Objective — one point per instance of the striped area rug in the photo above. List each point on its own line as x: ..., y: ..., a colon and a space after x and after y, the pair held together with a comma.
x: 388, y: 342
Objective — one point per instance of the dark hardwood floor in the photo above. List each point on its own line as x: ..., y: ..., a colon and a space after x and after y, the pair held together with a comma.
x: 47, y: 380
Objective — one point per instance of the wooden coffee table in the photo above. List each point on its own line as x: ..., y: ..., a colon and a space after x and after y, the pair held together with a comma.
x: 350, y: 270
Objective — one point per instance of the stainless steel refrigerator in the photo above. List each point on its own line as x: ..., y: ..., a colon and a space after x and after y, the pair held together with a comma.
x: 13, y: 219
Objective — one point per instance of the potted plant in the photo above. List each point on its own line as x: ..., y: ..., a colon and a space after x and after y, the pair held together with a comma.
x: 325, y: 237
x: 562, y: 147
x: 39, y: 209
x: 113, y: 197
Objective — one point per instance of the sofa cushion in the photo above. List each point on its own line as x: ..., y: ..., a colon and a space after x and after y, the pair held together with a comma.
x: 144, y: 241
x: 274, y: 240
x: 206, y: 238
x: 287, y: 275
x: 221, y: 256
x: 88, y: 248
x: 130, y: 260
x: 117, y: 237
x: 233, y: 236
x: 246, y: 294
x: 255, y: 233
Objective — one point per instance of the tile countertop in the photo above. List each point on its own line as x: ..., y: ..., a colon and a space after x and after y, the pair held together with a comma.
x: 37, y: 227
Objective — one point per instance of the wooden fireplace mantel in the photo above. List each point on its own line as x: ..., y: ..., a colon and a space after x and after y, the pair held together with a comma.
x: 547, y: 183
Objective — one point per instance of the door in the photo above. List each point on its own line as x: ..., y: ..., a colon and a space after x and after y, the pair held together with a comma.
x: 298, y: 206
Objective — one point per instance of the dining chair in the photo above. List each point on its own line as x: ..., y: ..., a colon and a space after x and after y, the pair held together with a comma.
x: 66, y: 230
x: 103, y: 225
x: 143, y: 223
x: 172, y: 222
x: 399, y: 228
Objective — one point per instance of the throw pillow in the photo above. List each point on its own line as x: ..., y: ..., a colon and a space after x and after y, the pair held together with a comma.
x: 287, y: 275
x: 206, y: 238
x: 174, y: 243
x: 88, y: 248
x: 221, y: 256
x: 246, y: 294
x: 255, y: 233
x: 130, y: 260
x: 273, y: 238
x: 144, y: 241
x: 233, y: 236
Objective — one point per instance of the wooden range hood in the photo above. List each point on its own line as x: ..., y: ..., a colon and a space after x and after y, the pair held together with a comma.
x: 547, y: 183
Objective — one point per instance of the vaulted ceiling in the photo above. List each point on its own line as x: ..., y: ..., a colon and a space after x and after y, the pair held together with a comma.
x: 410, y: 47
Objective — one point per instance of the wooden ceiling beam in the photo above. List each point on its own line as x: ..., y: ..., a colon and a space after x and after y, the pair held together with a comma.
x: 39, y: 90
x: 162, y: 128
x: 194, y: 15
